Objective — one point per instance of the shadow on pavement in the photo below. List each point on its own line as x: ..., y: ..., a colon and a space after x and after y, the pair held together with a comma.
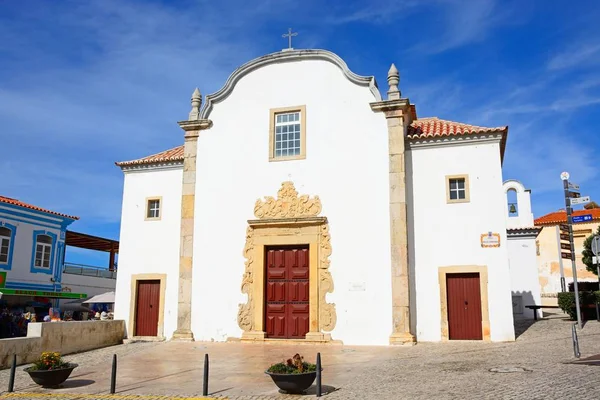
x: 521, y: 326
x: 75, y: 383
x: 325, y: 389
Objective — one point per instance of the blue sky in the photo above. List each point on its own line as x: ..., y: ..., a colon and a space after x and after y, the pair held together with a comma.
x: 86, y: 83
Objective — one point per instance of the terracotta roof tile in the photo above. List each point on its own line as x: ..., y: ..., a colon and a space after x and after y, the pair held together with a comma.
x: 8, y: 200
x: 174, y: 154
x: 433, y: 126
x: 560, y: 217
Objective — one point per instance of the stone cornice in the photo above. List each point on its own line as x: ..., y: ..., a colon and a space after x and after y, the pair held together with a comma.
x: 523, y: 233
x: 286, y: 56
x: 256, y: 223
x: 195, y: 125
x: 390, y: 105
x: 152, y: 167
x: 458, y: 140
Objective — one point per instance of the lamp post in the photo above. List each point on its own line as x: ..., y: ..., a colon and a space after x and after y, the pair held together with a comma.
x: 565, y: 178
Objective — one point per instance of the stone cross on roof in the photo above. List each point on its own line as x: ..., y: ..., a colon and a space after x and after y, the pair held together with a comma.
x: 289, y: 36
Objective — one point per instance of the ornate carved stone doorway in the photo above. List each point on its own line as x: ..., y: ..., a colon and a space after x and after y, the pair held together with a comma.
x: 288, y: 220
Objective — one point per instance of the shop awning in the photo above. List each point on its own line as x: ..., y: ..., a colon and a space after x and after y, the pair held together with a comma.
x: 40, y: 293
x: 108, y: 297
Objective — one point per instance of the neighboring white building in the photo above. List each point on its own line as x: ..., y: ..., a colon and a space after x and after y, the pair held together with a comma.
x: 522, y: 250
x: 33, y: 271
x: 372, y: 226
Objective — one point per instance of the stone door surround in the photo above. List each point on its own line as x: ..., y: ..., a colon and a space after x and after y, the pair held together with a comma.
x: 288, y: 220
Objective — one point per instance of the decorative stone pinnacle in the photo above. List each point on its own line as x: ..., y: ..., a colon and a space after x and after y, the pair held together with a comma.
x: 393, y: 81
x: 196, y: 103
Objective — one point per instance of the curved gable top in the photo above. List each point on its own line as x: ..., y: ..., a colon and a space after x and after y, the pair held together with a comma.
x: 280, y: 57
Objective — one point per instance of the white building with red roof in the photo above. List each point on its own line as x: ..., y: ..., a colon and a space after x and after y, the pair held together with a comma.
x: 550, y: 262
x: 304, y: 205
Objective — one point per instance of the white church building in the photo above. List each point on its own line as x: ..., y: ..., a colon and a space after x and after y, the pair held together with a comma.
x: 305, y: 206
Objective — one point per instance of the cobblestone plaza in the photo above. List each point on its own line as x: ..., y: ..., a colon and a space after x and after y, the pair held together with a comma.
x: 540, y: 365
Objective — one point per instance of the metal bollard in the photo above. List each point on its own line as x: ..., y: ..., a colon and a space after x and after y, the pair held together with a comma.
x: 113, y: 375
x: 318, y: 374
x: 205, y: 381
x: 11, y: 380
x: 575, y: 341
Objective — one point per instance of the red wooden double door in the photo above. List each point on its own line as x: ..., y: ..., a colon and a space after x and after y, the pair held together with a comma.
x: 287, y: 292
x: 464, y: 306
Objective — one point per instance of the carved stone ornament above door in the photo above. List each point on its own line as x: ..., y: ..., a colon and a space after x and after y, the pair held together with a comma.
x: 287, y: 205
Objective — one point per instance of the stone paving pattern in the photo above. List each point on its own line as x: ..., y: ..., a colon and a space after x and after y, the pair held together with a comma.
x: 452, y: 370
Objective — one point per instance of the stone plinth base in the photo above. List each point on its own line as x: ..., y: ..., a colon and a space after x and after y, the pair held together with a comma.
x: 405, y: 339
x: 253, y: 336
x: 137, y: 339
x: 183, y: 335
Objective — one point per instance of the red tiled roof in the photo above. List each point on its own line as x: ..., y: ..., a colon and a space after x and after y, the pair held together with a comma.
x: 174, y: 154
x: 560, y: 217
x: 16, y: 202
x: 433, y: 126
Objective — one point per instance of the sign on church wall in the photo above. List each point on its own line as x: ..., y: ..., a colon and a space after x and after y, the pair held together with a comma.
x: 357, y: 286
x: 490, y: 240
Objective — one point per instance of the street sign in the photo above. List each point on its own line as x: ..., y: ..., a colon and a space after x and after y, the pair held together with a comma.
x: 574, y: 195
x: 564, y: 228
x: 564, y: 236
x: 573, y: 186
x: 596, y: 245
x: 582, y: 218
x: 581, y: 200
x: 566, y: 255
x: 565, y: 246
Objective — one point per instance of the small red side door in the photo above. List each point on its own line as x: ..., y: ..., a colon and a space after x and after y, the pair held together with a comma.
x: 464, y: 306
x: 147, y: 302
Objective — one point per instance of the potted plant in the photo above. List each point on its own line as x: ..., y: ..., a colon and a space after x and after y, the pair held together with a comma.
x: 293, y: 376
x: 50, y: 370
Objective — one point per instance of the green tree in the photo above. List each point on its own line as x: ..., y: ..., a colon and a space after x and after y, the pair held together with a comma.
x: 587, y: 253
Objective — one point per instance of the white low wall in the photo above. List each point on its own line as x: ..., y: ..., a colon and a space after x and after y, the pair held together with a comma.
x: 62, y: 337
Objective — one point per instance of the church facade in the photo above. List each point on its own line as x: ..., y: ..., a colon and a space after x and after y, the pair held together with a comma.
x: 305, y: 206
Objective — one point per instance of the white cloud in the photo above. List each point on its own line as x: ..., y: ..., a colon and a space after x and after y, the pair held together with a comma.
x: 576, y: 56
x: 112, y: 90
x: 463, y: 22
x: 375, y: 11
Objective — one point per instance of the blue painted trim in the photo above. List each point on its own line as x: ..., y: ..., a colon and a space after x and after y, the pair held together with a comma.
x: 33, y: 268
x: 10, y: 217
x: 38, y: 214
x: 17, y: 212
x: 28, y: 286
x: 11, y: 245
x: 59, y: 264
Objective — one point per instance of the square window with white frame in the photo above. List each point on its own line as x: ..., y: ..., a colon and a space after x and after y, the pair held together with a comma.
x: 458, y: 189
x: 153, y: 208
x: 43, y: 251
x: 288, y: 129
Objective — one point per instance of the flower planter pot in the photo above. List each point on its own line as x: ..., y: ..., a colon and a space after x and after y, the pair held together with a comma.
x: 52, y: 377
x: 293, y: 383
